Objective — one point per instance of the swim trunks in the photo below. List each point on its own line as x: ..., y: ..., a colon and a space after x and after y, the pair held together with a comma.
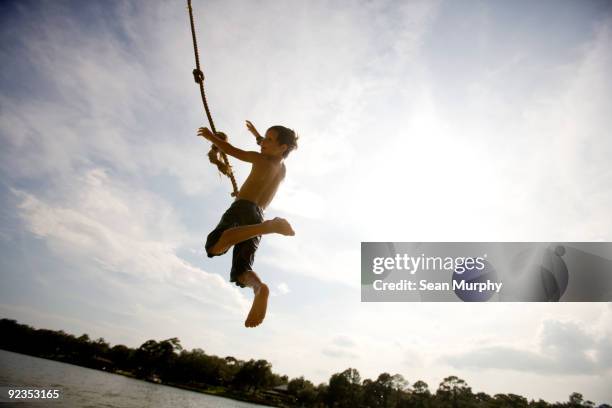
x: 241, y: 212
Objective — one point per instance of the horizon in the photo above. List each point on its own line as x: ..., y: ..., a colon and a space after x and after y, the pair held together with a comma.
x: 432, y: 388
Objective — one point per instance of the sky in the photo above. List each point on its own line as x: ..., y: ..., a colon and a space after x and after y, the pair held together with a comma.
x: 418, y: 121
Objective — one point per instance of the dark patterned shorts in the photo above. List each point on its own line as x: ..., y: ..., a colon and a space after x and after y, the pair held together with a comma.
x: 241, y: 212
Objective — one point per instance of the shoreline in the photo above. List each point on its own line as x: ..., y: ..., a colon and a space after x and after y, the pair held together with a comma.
x: 217, y: 391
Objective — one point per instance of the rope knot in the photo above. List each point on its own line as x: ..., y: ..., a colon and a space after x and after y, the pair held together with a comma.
x: 198, y: 76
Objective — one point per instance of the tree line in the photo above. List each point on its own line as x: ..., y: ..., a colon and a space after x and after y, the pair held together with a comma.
x: 167, y: 362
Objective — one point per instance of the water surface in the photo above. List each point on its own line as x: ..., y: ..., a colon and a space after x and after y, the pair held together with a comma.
x: 84, y: 387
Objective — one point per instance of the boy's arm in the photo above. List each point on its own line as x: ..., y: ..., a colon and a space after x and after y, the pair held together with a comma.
x: 227, y: 148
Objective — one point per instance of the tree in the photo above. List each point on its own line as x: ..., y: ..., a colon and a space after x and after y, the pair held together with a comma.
x: 420, y: 387
x: 577, y: 400
x: 155, y: 357
x: 454, y: 392
x: 254, y: 375
x: 510, y: 401
x: 303, y: 391
x: 483, y: 399
x: 420, y: 396
x: 539, y: 404
x: 344, y: 389
x: 120, y: 355
x: 100, y: 347
x: 387, y: 391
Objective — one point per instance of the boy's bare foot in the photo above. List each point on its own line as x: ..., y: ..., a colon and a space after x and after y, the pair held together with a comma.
x: 258, y: 310
x: 281, y: 226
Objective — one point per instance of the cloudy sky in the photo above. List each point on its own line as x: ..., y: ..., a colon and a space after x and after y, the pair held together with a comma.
x: 418, y: 121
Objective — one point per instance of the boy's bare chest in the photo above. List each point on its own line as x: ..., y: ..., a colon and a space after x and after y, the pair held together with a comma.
x: 262, y: 173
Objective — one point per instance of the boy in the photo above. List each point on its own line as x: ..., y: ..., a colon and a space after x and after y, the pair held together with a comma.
x: 243, y: 224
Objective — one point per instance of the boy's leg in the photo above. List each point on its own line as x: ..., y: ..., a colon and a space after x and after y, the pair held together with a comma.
x: 260, y: 301
x: 242, y: 273
x: 232, y: 236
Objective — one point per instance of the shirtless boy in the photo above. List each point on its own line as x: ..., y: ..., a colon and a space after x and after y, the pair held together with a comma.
x: 242, y: 225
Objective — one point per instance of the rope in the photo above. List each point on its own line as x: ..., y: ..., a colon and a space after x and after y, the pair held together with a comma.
x: 223, y: 164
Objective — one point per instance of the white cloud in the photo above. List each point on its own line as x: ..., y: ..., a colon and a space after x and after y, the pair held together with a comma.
x: 299, y: 201
x: 336, y: 352
x: 283, y: 288
x: 306, y: 257
x: 123, y: 232
x: 343, y: 341
x: 565, y: 348
x: 104, y: 106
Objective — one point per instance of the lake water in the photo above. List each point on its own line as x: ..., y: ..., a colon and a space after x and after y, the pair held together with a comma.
x: 83, y: 387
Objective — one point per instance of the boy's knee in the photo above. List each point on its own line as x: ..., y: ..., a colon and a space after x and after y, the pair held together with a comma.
x: 222, y: 241
x: 219, y: 247
x: 249, y: 278
x: 215, y: 249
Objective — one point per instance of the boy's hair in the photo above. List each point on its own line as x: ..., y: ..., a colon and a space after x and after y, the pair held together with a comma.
x: 285, y: 136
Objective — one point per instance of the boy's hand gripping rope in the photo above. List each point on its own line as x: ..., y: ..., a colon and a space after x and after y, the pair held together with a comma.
x: 215, y: 156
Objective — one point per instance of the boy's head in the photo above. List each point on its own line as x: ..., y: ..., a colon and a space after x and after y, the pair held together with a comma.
x: 279, y: 141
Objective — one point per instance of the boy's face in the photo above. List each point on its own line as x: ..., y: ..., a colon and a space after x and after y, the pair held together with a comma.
x: 270, y: 146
